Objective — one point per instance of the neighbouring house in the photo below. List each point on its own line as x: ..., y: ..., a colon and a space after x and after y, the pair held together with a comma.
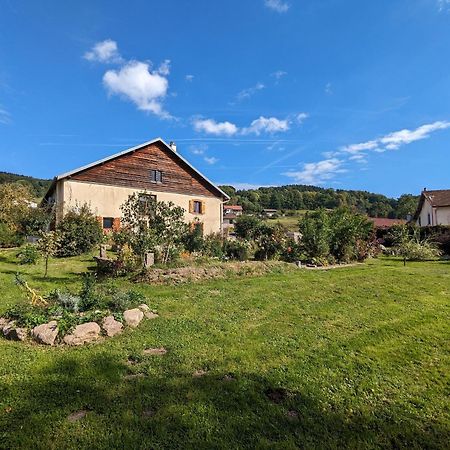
x: 269, y: 212
x: 232, y: 209
x: 230, y: 214
x: 155, y: 170
x: 433, y: 208
x: 382, y: 223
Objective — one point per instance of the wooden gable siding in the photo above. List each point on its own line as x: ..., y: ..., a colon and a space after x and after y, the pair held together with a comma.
x: 133, y: 170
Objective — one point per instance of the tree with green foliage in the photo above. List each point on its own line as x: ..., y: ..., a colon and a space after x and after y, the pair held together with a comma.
x: 153, y: 225
x: 245, y: 227
x: 79, y: 231
x: 335, y: 235
x: 15, y: 200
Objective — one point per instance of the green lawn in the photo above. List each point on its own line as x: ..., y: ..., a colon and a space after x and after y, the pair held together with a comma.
x: 360, y: 358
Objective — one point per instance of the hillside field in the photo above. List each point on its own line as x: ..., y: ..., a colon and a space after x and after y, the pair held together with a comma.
x: 354, y: 357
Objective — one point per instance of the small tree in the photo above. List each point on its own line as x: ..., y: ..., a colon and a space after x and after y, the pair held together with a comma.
x: 48, y: 246
x: 153, y: 226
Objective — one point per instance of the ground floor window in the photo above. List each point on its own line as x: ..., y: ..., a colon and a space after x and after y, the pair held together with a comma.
x: 108, y: 223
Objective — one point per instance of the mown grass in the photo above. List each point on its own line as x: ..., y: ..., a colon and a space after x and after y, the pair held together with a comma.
x: 361, y: 353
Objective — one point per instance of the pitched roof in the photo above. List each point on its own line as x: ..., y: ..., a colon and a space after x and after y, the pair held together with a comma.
x: 437, y: 198
x: 233, y: 207
x: 381, y: 222
x: 133, y: 149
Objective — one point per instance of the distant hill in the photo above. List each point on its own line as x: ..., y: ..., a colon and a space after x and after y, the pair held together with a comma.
x: 38, y: 186
x: 303, y: 197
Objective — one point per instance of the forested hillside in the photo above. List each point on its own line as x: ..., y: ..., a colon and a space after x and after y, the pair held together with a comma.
x: 312, y: 197
x: 293, y: 197
x: 38, y: 186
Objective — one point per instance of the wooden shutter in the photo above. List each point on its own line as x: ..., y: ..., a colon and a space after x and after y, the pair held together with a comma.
x: 203, y: 208
x: 116, y: 224
x: 100, y: 220
x: 191, y: 206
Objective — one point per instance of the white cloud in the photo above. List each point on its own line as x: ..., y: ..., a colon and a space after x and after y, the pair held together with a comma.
x: 189, y: 77
x: 266, y: 125
x: 317, y: 172
x: 198, y: 149
x: 277, y: 5
x: 164, y: 68
x: 328, y: 89
x: 136, y: 82
x: 278, y: 74
x: 105, y: 52
x: 355, y: 148
x: 5, y: 116
x: 395, y: 140
x: 301, y: 117
x: 247, y: 93
x: 210, y: 126
x: 210, y: 160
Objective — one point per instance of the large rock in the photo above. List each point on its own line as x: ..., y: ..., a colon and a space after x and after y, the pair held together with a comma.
x: 10, y: 331
x: 148, y: 313
x: 111, y: 326
x: 3, y: 323
x: 133, y: 317
x: 83, y: 334
x: 45, y: 333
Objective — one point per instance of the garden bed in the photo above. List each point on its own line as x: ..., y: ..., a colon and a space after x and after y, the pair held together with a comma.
x: 212, y: 271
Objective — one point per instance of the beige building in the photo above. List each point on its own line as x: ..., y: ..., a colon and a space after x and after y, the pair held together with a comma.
x: 153, y: 169
x: 434, y: 208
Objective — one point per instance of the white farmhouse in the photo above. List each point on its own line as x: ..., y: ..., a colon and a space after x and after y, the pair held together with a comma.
x: 434, y: 208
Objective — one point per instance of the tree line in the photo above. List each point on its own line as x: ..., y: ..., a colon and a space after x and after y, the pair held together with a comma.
x: 37, y: 186
x: 304, y: 197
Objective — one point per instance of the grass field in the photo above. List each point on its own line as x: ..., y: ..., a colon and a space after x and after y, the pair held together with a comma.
x: 355, y: 357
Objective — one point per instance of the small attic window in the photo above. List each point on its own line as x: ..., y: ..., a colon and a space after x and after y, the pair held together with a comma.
x: 156, y: 176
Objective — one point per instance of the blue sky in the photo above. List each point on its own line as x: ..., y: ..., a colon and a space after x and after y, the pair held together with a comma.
x: 351, y: 94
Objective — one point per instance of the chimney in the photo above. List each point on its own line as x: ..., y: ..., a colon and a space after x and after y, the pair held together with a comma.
x: 173, y: 146
x: 425, y: 189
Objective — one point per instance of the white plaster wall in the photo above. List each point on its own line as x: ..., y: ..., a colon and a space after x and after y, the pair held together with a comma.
x: 443, y: 215
x: 426, y: 209
x: 105, y: 201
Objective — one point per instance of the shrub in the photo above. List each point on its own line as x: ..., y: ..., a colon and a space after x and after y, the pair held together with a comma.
x: 336, y: 236
x: 237, y: 249
x: 269, y: 240
x: 88, y: 295
x: 28, y: 254
x: 79, y: 232
x: 26, y: 315
x: 66, y: 300
x: 410, y: 245
x: 213, y: 246
x: 120, y: 301
x: 193, y: 240
x: 292, y: 251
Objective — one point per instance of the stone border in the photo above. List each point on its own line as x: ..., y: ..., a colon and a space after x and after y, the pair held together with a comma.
x: 84, y: 333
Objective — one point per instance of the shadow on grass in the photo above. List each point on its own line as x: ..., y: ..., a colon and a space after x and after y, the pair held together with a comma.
x: 180, y: 411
